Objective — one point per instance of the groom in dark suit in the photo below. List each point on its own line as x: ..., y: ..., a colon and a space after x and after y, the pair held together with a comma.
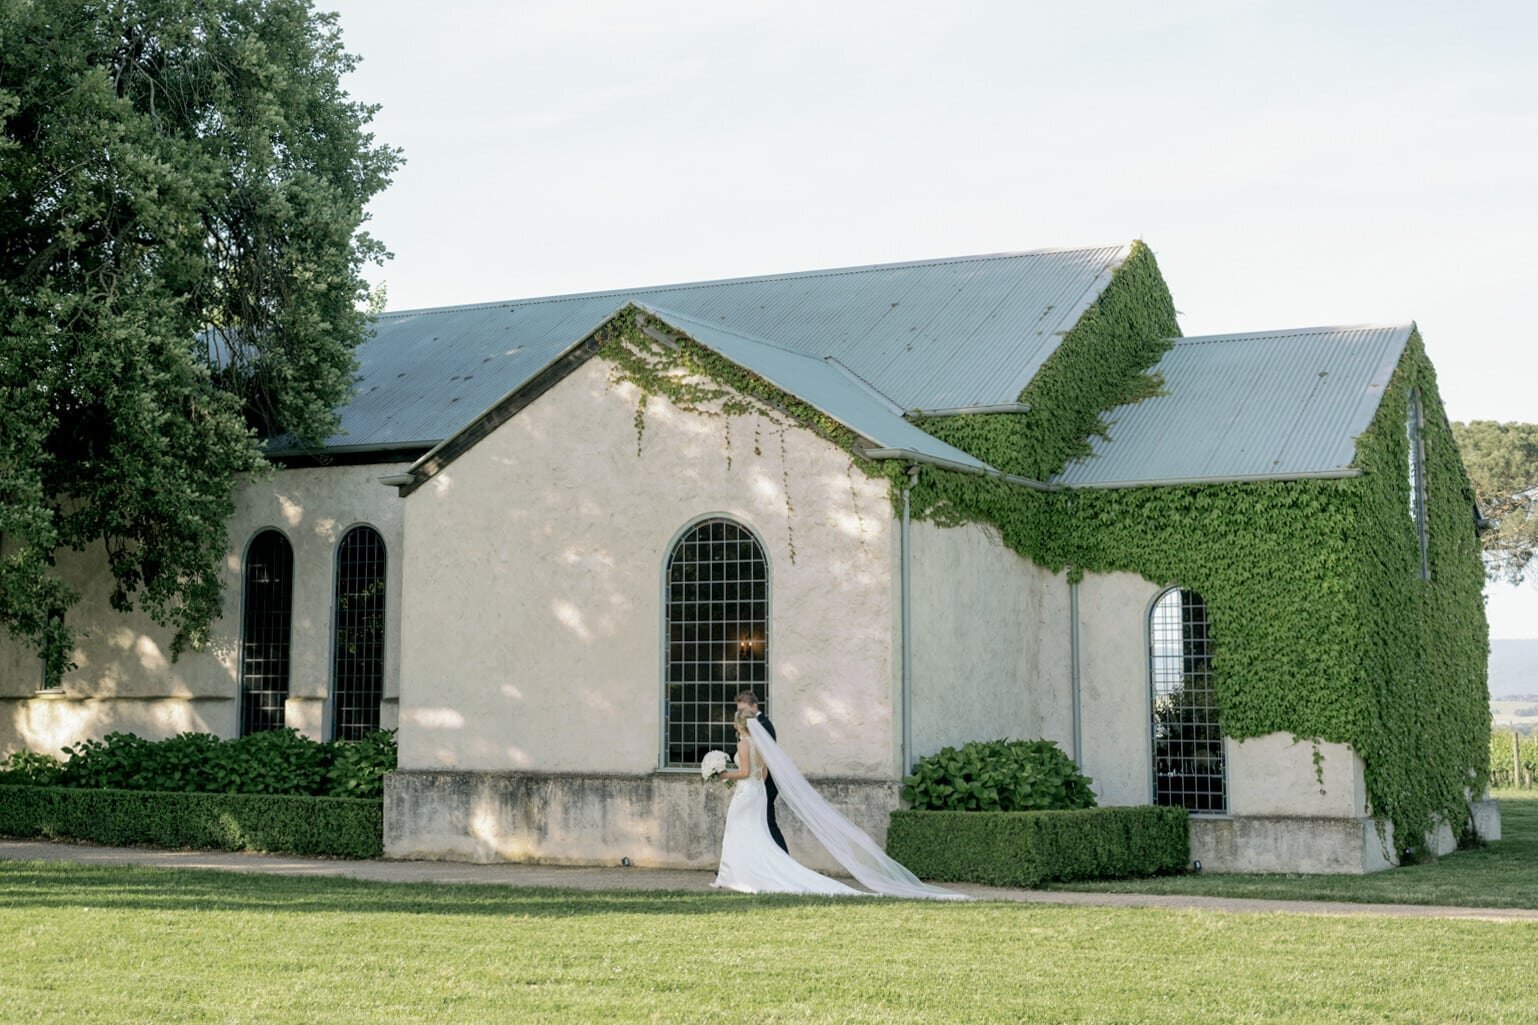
x: 747, y: 701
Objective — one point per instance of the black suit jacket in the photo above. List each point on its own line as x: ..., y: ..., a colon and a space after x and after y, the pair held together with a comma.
x: 763, y: 720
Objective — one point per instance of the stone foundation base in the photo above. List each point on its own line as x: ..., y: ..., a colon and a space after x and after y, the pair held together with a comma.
x: 1487, y: 819
x: 661, y: 820
x: 1320, y: 845
x: 1277, y: 843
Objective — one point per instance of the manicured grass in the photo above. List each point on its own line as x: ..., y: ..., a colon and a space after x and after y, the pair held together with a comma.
x: 99, y: 945
x: 1503, y: 874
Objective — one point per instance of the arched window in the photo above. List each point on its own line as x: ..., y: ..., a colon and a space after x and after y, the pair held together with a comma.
x: 264, y: 631
x: 717, y: 607
x: 357, y: 658
x: 1187, y: 737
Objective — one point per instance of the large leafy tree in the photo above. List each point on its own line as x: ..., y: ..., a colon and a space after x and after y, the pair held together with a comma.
x: 1502, y: 460
x: 182, y: 193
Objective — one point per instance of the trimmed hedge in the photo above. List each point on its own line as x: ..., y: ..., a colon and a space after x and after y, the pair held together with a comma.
x: 1028, y: 848
x: 338, y: 826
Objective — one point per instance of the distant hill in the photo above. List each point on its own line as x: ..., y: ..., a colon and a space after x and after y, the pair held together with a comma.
x: 1513, y: 669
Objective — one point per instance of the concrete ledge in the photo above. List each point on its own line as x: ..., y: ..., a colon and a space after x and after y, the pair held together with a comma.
x: 1318, y: 845
x: 1281, y: 843
x: 661, y: 820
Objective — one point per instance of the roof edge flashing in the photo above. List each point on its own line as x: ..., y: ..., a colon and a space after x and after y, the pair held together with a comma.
x: 998, y: 407
x: 1337, y: 474
x: 1407, y: 327
x: 981, y: 470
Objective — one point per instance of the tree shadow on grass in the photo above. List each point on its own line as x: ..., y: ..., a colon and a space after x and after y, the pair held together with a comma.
x: 43, y: 884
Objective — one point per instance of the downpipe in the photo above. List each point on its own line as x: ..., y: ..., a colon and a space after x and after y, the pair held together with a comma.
x: 1073, y: 667
x: 905, y: 588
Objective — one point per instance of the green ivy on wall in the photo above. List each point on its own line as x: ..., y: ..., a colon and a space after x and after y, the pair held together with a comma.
x: 1103, y: 362
x: 1323, y: 625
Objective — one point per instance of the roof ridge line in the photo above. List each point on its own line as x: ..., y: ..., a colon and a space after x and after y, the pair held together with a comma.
x: 779, y: 276
x: 1404, y: 325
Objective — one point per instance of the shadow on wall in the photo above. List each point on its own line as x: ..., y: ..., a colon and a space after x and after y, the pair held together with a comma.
x: 48, y: 724
x: 136, y: 655
x: 579, y: 649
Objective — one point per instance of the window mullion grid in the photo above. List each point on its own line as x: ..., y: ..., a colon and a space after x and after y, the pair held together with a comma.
x: 1187, y: 737
x: 710, y: 611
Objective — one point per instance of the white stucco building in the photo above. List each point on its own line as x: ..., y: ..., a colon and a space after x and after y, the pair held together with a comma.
x: 554, y: 600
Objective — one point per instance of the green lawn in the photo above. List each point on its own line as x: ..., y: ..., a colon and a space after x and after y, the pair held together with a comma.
x: 91, y: 945
x: 1502, y: 874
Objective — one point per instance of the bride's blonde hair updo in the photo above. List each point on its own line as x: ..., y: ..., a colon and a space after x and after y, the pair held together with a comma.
x: 740, y: 720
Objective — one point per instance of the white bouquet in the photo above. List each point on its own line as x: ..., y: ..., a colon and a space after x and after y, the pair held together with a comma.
x: 713, y: 764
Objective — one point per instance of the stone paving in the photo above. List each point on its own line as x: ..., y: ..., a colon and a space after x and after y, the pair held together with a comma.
x: 673, y: 880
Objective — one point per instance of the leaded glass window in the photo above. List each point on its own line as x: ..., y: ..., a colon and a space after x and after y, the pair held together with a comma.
x: 717, y: 608
x: 1187, y: 737
x: 266, y: 618
x: 357, y: 660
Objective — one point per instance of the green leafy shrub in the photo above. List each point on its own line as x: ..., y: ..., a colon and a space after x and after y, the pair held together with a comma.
x: 278, y: 762
x: 998, y: 775
x: 1030, y: 848
x: 30, y: 768
x: 358, y: 768
x: 332, y: 826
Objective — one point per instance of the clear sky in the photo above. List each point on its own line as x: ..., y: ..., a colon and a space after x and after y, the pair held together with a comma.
x: 1290, y: 163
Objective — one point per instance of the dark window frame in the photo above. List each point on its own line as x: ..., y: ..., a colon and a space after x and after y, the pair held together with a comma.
x: 1188, y: 761
x: 266, y: 631
x: 715, y: 636
x: 359, y: 629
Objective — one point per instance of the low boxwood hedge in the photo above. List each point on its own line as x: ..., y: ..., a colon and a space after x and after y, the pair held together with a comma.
x: 1027, y: 848
x: 338, y: 826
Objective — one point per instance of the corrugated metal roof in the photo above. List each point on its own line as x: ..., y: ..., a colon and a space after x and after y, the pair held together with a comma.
x: 822, y: 384
x: 1261, y: 405
x: 932, y: 334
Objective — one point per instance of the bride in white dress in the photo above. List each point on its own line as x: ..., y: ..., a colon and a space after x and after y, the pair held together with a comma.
x: 753, y: 863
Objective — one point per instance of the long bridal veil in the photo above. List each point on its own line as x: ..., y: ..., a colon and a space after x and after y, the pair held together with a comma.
x: 850, y: 845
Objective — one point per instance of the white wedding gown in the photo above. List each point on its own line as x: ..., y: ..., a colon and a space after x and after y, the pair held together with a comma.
x: 750, y: 859
x: 753, y: 863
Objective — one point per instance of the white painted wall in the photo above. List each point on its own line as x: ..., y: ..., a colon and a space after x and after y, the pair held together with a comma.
x: 1114, y: 686
x: 532, y: 624
x: 991, y: 652
x: 125, y: 680
x: 1275, y: 775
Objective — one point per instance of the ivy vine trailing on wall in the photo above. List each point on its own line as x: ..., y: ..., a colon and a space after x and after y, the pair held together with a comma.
x: 658, y: 361
x: 1323, y: 625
